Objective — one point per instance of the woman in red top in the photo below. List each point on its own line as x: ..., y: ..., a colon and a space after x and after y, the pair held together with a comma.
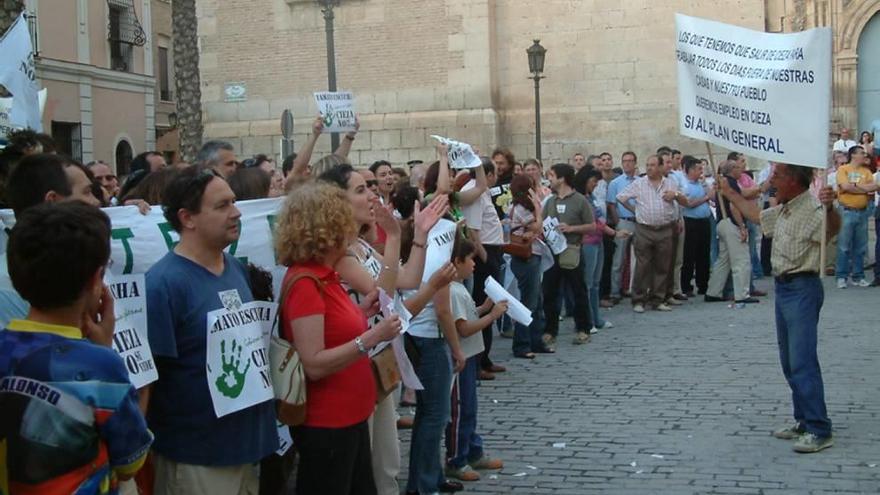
x: 330, y: 333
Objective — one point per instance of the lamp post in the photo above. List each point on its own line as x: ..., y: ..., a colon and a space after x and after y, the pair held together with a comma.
x: 536, y: 54
x: 327, y: 9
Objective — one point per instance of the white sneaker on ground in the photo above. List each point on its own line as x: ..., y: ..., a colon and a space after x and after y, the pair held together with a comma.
x: 663, y: 307
x: 861, y: 283
x: 605, y: 326
x: 841, y: 283
x: 639, y: 308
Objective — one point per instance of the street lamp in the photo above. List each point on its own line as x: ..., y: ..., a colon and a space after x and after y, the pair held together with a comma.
x: 536, y: 54
x: 327, y: 9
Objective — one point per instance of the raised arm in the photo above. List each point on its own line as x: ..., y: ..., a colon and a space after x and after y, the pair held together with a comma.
x: 345, y: 146
x: 300, y: 169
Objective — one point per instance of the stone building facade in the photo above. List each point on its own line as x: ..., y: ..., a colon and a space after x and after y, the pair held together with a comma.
x: 459, y: 68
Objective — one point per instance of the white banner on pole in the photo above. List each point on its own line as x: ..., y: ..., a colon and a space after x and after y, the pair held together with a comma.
x: 337, y: 110
x: 18, y: 75
x: 765, y: 95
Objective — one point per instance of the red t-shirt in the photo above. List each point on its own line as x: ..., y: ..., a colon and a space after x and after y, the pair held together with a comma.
x: 348, y: 396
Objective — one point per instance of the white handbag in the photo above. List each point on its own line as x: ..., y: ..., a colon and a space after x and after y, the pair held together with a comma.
x: 288, y: 376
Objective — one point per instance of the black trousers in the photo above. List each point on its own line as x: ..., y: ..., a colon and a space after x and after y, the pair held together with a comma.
x: 334, y: 461
x: 552, y: 283
x: 608, y: 252
x: 695, y: 265
x: 483, y: 270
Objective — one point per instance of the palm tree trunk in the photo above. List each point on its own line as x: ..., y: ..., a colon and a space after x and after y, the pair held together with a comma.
x: 186, y: 79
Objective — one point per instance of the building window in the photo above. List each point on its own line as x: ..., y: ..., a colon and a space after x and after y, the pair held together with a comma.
x: 68, y: 138
x: 165, y: 93
x: 124, y: 155
x: 124, y: 32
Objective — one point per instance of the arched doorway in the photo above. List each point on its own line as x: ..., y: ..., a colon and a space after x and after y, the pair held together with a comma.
x: 124, y: 154
x: 869, y: 77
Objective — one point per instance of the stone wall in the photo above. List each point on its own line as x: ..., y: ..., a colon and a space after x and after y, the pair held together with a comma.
x: 459, y: 68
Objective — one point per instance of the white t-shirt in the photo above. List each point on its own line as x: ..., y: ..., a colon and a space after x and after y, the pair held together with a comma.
x: 481, y: 215
x: 844, y: 145
x: 463, y: 308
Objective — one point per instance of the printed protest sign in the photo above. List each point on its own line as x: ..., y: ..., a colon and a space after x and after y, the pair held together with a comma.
x: 554, y: 239
x: 337, y: 110
x: 763, y: 94
x: 460, y: 155
x: 439, y: 247
x: 237, y: 359
x: 130, y: 335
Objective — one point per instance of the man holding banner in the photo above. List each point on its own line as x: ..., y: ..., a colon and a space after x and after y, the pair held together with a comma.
x: 207, y: 337
x: 796, y: 228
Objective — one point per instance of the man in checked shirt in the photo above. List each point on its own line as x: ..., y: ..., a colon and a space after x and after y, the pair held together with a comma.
x: 796, y: 228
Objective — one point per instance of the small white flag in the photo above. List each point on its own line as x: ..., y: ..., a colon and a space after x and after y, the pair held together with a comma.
x: 18, y: 75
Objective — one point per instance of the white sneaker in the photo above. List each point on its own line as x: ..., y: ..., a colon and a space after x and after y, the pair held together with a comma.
x: 639, y: 308
x: 862, y: 283
x: 606, y: 325
x: 594, y: 330
x: 841, y: 283
x: 663, y: 307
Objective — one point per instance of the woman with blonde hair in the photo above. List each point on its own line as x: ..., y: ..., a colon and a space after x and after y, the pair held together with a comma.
x: 330, y: 333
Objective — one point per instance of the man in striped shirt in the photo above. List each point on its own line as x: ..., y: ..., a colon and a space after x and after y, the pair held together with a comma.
x: 656, y: 216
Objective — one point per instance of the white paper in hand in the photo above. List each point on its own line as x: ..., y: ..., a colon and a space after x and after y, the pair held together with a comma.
x: 460, y: 155
x: 515, y: 309
x: 552, y: 236
x: 439, y: 247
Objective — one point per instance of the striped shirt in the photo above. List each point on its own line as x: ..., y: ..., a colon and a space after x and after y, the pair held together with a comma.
x: 651, y: 208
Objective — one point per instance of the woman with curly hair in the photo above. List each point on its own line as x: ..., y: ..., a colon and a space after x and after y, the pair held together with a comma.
x: 364, y: 270
x: 330, y: 332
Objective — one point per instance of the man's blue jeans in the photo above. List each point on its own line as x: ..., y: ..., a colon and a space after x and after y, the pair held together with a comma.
x: 594, y: 257
x: 877, y: 246
x: 851, y: 244
x: 432, y: 413
x: 798, y: 303
x: 463, y: 444
x: 754, y: 242
x: 528, y: 279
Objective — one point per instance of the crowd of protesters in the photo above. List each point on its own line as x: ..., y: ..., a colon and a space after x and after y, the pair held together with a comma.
x: 660, y: 238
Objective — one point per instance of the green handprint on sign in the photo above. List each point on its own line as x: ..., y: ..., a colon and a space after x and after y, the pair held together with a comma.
x: 231, y: 382
x: 329, y: 117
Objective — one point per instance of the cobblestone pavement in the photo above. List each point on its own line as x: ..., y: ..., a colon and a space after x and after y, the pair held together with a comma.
x: 683, y: 403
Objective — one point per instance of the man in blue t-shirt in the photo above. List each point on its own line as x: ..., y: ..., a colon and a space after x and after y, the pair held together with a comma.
x: 69, y: 417
x: 697, y: 228
x: 621, y: 218
x: 200, y: 446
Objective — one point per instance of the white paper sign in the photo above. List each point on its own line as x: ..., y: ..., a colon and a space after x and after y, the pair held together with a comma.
x: 285, y: 441
x: 130, y: 335
x: 237, y: 357
x: 766, y: 95
x: 439, y: 247
x: 460, y: 155
x: 337, y: 110
x: 515, y: 309
x: 554, y: 239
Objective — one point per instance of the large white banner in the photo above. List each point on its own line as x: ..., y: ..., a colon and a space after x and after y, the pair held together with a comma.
x: 765, y: 95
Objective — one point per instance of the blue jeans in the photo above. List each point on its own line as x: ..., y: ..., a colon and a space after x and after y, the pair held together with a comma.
x: 754, y: 242
x: 594, y: 257
x: 432, y: 413
x: 528, y: 279
x: 463, y: 444
x: 798, y: 303
x: 877, y: 247
x: 713, y: 241
x: 851, y: 244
